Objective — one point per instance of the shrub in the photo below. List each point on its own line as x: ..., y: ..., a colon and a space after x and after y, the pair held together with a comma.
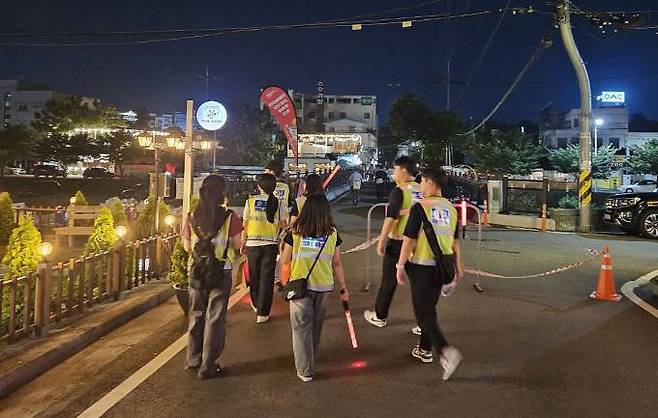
x: 23, y: 254
x: 568, y: 202
x: 80, y: 199
x: 146, y: 219
x: 178, y: 272
x: 118, y: 211
x: 102, y: 236
x: 6, y: 217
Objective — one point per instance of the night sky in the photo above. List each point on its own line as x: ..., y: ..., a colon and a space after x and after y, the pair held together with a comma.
x: 160, y: 77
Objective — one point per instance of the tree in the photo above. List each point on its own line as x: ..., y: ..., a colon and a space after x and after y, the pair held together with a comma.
x: 567, y: 160
x: 250, y: 136
x: 118, y: 211
x: 6, y: 217
x: 119, y: 146
x: 505, y: 153
x: 146, y: 219
x: 102, y: 236
x: 644, y: 159
x: 16, y: 143
x: 80, y: 199
x: 23, y: 254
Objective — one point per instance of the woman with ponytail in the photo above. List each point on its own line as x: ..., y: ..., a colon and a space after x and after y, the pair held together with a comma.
x: 208, y: 298
x: 262, y: 222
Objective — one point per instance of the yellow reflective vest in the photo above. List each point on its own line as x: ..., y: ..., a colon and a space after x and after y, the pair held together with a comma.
x: 304, y: 251
x: 221, y: 241
x: 410, y: 195
x: 443, y: 217
x: 258, y: 227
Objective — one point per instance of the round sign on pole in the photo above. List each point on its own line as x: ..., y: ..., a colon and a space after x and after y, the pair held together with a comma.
x: 211, y: 115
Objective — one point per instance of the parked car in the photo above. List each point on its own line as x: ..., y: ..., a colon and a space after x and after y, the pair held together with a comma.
x: 640, y: 186
x: 634, y: 213
x: 97, y: 173
x: 46, y: 170
x: 16, y: 171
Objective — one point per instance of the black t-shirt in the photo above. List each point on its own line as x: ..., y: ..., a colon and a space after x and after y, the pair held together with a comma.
x: 394, y: 203
x: 288, y: 239
x: 415, y: 222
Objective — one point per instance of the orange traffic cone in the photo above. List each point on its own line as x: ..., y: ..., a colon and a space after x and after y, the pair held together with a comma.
x: 605, y: 290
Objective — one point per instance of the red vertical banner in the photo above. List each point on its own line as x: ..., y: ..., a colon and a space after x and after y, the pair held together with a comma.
x: 282, y: 109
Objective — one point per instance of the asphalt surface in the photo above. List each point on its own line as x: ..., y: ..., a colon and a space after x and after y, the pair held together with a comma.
x: 535, y: 347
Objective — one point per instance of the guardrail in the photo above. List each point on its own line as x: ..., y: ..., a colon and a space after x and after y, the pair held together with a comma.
x: 29, y: 304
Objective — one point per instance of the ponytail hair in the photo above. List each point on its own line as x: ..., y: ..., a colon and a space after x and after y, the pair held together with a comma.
x: 267, y: 182
x: 210, y: 213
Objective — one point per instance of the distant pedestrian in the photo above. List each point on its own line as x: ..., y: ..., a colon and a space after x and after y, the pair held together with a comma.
x: 380, y: 183
x: 215, y: 230
x: 313, y: 247
x: 262, y: 223
x: 431, y: 259
x: 356, y: 179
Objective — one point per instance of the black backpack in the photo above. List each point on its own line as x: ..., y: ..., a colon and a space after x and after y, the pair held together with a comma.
x: 207, y: 270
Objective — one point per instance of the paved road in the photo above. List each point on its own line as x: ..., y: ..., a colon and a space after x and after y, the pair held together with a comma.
x: 532, y: 347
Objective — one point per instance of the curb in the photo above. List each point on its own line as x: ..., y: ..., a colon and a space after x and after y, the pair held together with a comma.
x: 53, y: 357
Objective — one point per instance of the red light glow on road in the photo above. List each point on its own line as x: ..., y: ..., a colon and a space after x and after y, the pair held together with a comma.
x: 359, y: 364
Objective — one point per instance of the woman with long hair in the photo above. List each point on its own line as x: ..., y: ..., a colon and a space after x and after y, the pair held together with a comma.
x: 262, y: 222
x: 313, y: 247
x: 208, y: 297
x: 312, y: 185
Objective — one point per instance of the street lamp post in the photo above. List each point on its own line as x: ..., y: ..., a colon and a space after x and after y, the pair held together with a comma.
x: 597, y: 123
x: 148, y: 142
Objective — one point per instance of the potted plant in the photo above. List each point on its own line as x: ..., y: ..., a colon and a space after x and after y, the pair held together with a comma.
x: 566, y: 214
x: 177, y: 275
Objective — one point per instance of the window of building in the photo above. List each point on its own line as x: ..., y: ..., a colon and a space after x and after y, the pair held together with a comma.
x: 366, y: 115
x: 567, y: 124
x: 562, y: 142
x: 576, y: 123
x: 351, y: 128
x: 37, y: 115
x: 22, y: 108
x: 330, y: 116
x: 331, y: 100
x: 355, y: 101
x: 7, y: 116
x: 344, y: 100
x: 614, y: 142
x: 343, y: 115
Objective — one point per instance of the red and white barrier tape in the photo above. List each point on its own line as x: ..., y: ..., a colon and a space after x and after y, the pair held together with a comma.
x: 361, y: 247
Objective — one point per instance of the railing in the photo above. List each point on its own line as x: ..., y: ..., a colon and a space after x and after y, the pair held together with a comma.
x: 29, y: 304
x: 529, y: 196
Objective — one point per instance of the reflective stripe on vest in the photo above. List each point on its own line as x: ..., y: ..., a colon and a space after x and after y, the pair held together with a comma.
x: 258, y: 227
x: 410, y: 195
x: 443, y: 216
x: 304, y: 251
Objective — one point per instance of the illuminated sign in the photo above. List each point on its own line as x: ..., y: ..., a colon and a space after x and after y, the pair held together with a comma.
x: 618, y: 97
x: 211, y: 115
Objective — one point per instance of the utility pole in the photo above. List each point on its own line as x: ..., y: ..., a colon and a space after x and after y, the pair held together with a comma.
x: 189, y: 159
x: 585, y: 177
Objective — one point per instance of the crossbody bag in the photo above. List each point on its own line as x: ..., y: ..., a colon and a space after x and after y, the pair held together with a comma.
x: 445, y: 264
x: 298, y: 288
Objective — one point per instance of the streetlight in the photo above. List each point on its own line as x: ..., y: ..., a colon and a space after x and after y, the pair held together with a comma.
x: 170, y: 220
x: 121, y: 231
x: 45, y: 249
x: 597, y: 123
x: 152, y: 142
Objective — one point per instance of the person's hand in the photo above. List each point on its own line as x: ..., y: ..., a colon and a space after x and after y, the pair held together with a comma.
x: 459, y: 273
x: 401, y: 275
x: 381, y: 243
x: 344, y: 295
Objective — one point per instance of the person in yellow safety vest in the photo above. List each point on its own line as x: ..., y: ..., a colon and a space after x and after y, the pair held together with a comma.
x: 418, y: 262
x: 282, y: 189
x: 389, y: 243
x: 313, y: 186
x: 260, y: 244
x: 208, y: 304
x: 312, y: 235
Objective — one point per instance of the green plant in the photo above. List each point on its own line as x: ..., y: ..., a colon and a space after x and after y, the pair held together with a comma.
x: 146, y: 219
x: 22, y: 254
x: 178, y: 272
x: 6, y: 217
x: 80, y: 199
x: 118, y: 211
x: 102, y: 236
x: 568, y: 202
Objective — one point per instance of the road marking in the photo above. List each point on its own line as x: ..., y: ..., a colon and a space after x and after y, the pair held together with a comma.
x: 628, y: 289
x: 131, y: 383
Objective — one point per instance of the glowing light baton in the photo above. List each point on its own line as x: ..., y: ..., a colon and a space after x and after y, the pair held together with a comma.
x: 350, y: 326
x: 331, y: 176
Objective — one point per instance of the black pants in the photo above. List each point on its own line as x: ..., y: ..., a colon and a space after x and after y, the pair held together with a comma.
x: 425, y: 292
x: 389, y: 281
x: 262, y: 266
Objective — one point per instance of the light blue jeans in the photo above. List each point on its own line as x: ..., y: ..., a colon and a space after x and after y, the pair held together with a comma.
x: 306, y: 319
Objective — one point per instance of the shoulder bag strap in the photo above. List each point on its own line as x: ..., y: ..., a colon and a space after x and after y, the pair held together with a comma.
x: 228, y: 241
x: 430, y: 234
x: 317, y: 257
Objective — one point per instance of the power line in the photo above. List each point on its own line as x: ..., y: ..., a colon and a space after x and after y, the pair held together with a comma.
x: 484, y: 52
x: 545, y: 43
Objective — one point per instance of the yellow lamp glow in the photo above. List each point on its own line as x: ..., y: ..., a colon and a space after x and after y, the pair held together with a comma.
x: 45, y: 248
x: 121, y: 231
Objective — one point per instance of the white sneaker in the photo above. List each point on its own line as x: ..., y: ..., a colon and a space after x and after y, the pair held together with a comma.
x: 371, y: 317
x: 416, y: 330
x: 450, y: 360
x: 304, y: 378
x: 422, y: 355
x: 253, y: 308
x: 262, y: 319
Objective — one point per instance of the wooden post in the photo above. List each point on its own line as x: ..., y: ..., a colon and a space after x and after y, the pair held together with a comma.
x: 485, y: 215
x: 42, y: 299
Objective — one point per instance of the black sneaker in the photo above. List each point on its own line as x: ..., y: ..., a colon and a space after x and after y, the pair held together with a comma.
x: 423, y: 355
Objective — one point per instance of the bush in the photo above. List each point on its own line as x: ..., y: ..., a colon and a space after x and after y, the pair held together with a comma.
x: 146, y: 219
x: 80, y: 199
x: 23, y: 254
x: 118, y: 211
x: 568, y: 202
x: 6, y: 217
x: 102, y: 236
x: 178, y: 272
